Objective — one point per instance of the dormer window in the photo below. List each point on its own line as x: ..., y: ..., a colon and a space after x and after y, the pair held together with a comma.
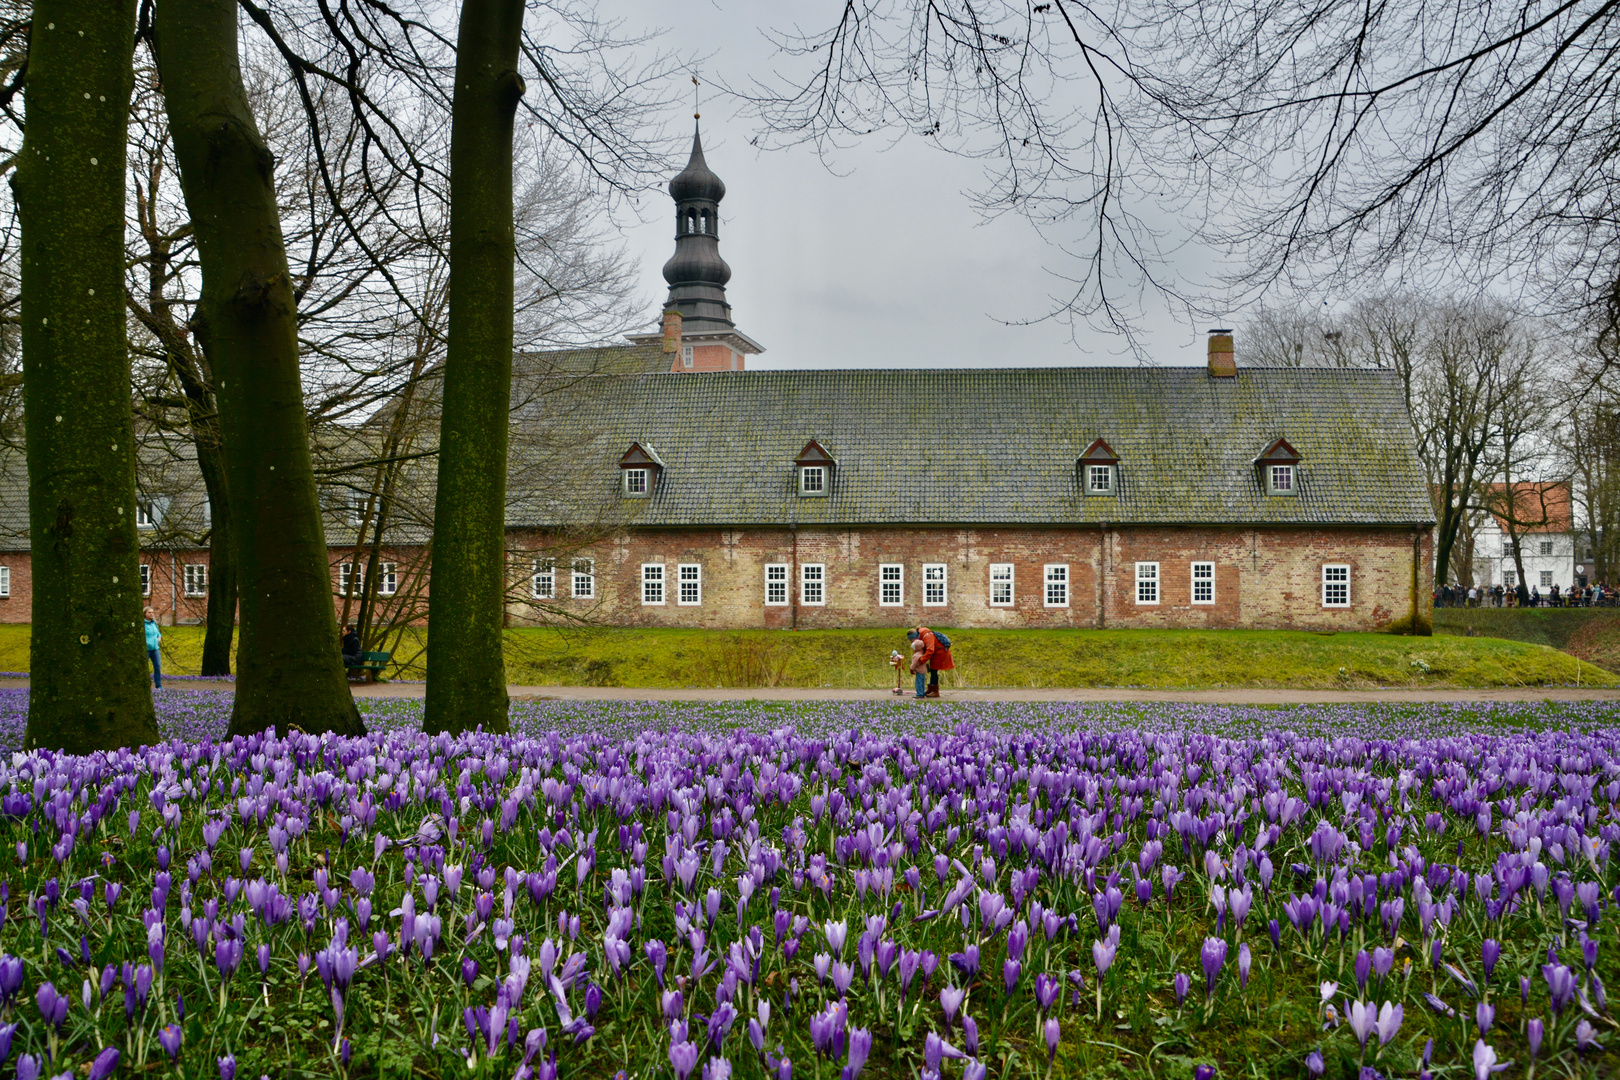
x: 686, y: 356
x: 1279, y: 468
x: 815, y: 466
x: 640, y: 467
x: 1099, y: 469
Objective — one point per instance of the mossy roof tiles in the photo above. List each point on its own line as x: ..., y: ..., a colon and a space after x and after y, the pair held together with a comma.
x: 986, y: 446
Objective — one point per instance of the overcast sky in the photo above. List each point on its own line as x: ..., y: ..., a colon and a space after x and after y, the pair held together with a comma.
x: 883, y: 263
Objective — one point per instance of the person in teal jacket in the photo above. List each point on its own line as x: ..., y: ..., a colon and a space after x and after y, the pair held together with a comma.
x: 153, y: 638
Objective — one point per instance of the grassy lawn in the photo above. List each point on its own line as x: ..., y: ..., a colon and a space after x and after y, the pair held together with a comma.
x: 985, y: 658
x: 1593, y: 634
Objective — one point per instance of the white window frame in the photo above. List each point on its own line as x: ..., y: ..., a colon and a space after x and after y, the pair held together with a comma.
x: 637, y: 483
x: 1001, y: 584
x: 357, y: 507
x: 583, y: 585
x: 144, y: 518
x: 196, y: 579
x: 652, y: 584
x: 1546, y: 579
x: 689, y: 574
x: 1094, y: 473
x: 936, y: 584
x: 1203, y: 574
x: 1546, y: 548
x: 817, y: 473
x: 813, y: 584
x: 349, y: 572
x: 387, y: 579
x: 543, y: 583
x: 1280, y: 479
x: 146, y: 579
x: 776, y: 584
x: 5, y: 581
x: 1335, y: 576
x: 1147, y: 584
x: 891, y: 584
x: 686, y: 357
x: 1056, y: 593
x: 1510, y: 579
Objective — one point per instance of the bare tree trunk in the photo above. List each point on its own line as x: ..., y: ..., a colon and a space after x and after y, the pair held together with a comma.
x: 466, y: 672
x: 88, y: 687
x: 289, y: 668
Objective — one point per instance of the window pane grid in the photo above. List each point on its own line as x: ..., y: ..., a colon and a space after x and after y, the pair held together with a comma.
x: 196, y: 579
x: 776, y: 584
x: 652, y: 583
x: 1335, y: 585
x: 584, y: 583
x: 1001, y: 584
x: 891, y: 584
x: 934, y: 580
x: 1147, y: 583
x: 1057, y: 585
x: 1203, y: 583
x: 545, y: 580
x: 813, y: 583
x: 691, y: 585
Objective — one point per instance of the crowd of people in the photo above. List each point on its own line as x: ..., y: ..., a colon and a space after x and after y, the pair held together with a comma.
x: 1595, y: 595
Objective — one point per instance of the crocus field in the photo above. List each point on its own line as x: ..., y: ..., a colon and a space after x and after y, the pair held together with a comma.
x: 824, y: 890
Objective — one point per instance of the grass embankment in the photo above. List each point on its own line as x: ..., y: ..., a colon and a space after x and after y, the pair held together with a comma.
x: 1593, y: 634
x: 1168, y: 659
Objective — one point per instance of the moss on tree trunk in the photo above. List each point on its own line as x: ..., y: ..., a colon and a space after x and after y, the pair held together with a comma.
x: 89, y: 688
x: 289, y: 672
x: 466, y: 672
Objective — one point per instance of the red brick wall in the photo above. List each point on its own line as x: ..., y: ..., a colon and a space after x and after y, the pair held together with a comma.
x: 1268, y: 578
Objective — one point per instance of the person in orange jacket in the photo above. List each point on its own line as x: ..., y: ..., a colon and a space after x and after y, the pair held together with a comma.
x: 935, y: 655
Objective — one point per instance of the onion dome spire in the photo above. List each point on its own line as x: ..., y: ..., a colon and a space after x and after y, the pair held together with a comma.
x: 696, y: 273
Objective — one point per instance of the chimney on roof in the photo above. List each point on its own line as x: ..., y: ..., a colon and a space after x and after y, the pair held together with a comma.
x: 672, y: 330
x: 1221, y: 363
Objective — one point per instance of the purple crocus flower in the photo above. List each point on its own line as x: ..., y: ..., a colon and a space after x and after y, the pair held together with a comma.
x: 1182, y: 984
x: 1484, y: 1017
x: 1245, y: 961
x: 1490, y: 951
x: 1051, y: 1031
x: 860, y: 1046
x: 1586, y: 1038
x: 1534, y: 1032
x: 169, y: 1037
x: 1560, y: 985
x: 227, y: 1067
x: 683, y: 1058
x: 104, y: 1063
x: 1212, y: 955
x: 1010, y: 971
x: 1389, y: 1022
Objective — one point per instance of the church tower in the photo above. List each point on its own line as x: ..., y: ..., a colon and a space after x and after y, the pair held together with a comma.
x: 697, y: 327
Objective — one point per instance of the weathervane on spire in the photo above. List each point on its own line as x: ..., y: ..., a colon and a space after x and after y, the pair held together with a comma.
x: 696, y: 115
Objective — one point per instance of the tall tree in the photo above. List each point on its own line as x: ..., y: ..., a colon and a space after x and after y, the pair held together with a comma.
x: 89, y: 689
x: 289, y: 672
x: 466, y: 683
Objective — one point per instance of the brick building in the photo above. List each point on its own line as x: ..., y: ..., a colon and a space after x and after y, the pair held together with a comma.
x: 661, y: 483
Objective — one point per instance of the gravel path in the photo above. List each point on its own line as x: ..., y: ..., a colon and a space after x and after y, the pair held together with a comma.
x: 1251, y: 696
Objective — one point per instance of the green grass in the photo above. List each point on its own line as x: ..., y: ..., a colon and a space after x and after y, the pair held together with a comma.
x: 1167, y: 659
x: 1593, y: 634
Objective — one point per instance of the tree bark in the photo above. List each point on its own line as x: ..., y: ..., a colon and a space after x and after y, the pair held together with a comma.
x: 289, y: 670
x: 88, y: 688
x: 466, y: 672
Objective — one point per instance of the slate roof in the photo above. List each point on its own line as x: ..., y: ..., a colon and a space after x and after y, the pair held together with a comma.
x: 981, y: 446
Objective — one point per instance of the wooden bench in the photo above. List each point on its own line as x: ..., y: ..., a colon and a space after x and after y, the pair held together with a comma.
x: 369, y: 667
